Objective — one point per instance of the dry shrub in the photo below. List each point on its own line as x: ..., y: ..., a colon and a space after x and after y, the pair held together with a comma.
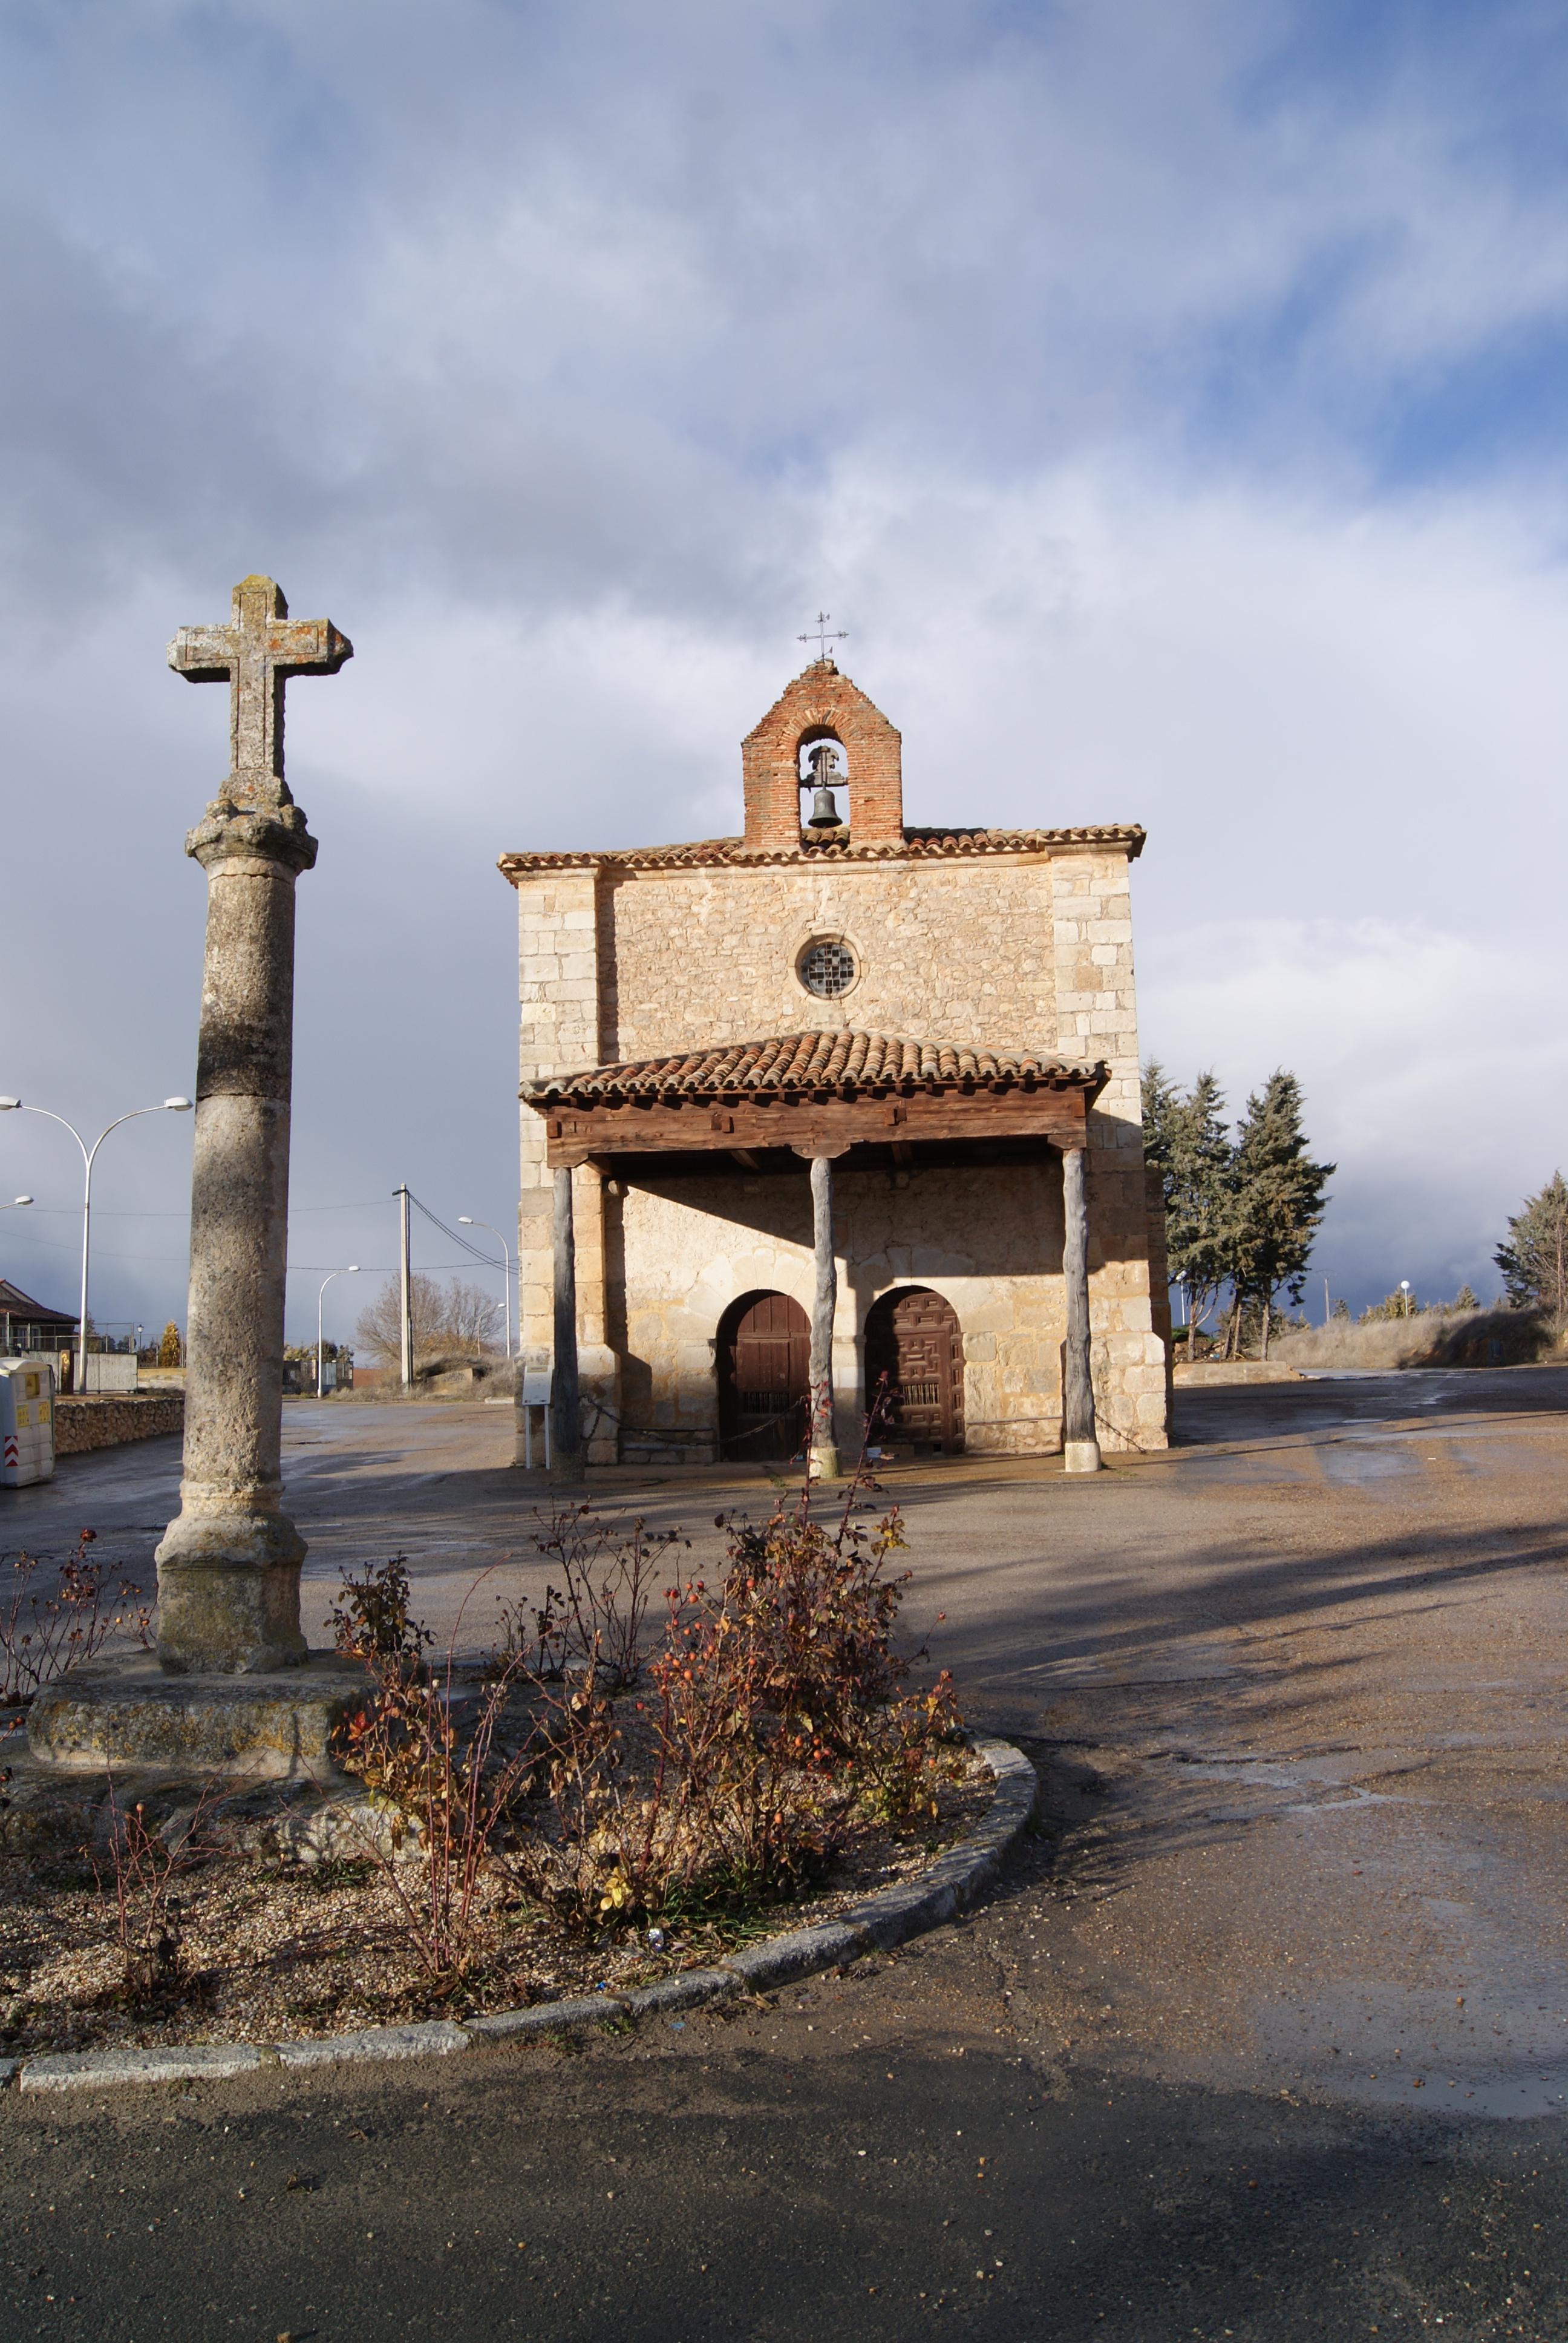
x: 776, y: 1714
x: 45, y: 1630
x: 595, y: 1622
x: 453, y: 1785
x: 1428, y: 1338
x: 143, y: 1865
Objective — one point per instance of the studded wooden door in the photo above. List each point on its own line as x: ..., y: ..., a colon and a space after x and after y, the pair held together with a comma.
x: 764, y: 1377
x: 914, y: 1339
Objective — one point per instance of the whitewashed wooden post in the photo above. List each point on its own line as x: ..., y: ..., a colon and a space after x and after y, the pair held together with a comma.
x: 1080, y: 1441
x: 566, y: 1401
x: 822, y: 1437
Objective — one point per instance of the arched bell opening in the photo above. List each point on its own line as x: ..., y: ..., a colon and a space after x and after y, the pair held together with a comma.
x: 823, y: 767
x: 764, y: 1378
x: 915, y: 1359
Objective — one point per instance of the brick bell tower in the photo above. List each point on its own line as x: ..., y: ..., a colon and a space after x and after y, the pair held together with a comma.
x: 823, y: 710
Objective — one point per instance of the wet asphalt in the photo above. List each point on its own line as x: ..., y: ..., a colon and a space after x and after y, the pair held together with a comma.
x: 1263, y: 2037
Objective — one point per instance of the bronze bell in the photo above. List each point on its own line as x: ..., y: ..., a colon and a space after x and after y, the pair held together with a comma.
x: 824, y: 807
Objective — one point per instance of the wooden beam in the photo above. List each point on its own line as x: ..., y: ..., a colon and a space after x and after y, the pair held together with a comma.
x: 745, y: 1157
x: 811, y: 1126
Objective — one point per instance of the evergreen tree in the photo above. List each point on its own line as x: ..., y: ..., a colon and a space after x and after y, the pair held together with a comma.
x: 1278, y: 1197
x: 1535, y: 1261
x: 171, y: 1350
x: 1184, y: 1133
x: 1465, y: 1300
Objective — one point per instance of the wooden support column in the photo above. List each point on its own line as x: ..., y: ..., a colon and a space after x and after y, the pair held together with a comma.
x: 1080, y: 1443
x: 566, y: 1405
x: 824, y: 1445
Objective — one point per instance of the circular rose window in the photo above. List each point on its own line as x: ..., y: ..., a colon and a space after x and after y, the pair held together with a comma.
x: 826, y: 967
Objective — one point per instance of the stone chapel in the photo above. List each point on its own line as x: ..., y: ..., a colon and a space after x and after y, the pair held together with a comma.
x: 837, y: 1113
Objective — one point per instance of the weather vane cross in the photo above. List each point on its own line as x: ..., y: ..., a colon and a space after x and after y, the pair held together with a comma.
x: 821, y: 635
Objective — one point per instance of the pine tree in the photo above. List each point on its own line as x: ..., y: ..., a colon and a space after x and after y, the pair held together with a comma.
x: 1184, y: 1133
x: 1535, y: 1261
x: 1278, y: 1196
x: 1465, y: 1300
x: 171, y: 1350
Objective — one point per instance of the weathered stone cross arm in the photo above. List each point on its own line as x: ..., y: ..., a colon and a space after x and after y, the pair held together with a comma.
x: 255, y: 654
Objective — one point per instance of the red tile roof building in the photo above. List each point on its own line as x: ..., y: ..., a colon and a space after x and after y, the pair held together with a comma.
x: 945, y: 1013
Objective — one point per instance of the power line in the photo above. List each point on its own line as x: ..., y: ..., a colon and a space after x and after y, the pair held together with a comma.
x: 472, y: 1249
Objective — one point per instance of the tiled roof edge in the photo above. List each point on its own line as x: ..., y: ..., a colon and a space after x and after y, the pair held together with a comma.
x: 797, y: 1063
x: 923, y: 845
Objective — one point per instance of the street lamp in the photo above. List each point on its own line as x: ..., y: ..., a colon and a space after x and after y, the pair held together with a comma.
x: 352, y: 1271
x: 14, y: 1201
x: 467, y: 1220
x: 1404, y: 1289
x: 164, y: 1106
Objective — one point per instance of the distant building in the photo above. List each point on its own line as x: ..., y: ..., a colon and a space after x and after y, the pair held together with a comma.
x: 29, y: 1325
x: 947, y: 1014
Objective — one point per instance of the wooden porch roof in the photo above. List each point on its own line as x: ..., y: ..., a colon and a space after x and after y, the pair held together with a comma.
x: 814, y: 1093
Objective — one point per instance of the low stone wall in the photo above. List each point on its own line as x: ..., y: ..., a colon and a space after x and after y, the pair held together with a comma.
x: 88, y: 1422
x: 1232, y: 1370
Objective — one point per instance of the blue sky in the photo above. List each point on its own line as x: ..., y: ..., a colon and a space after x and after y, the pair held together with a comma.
x: 1167, y: 399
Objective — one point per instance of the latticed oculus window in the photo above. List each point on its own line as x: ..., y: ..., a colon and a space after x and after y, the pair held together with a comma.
x: 828, y: 970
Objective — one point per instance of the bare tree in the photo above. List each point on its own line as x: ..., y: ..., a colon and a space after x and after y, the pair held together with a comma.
x: 452, y: 1319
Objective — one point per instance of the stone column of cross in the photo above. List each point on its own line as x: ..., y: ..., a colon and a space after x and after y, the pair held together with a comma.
x: 228, y: 1564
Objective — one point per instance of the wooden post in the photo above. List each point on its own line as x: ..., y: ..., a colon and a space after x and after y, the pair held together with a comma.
x: 824, y: 1446
x: 1080, y: 1446
x: 566, y: 1406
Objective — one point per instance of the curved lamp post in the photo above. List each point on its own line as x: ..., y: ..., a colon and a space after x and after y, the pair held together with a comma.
x: 164, y: 1106
x: 352, y: 1271
x: 14, y: 1201
x: 467, y: 1220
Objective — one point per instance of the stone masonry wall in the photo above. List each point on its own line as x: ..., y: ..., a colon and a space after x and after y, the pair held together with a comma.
x: 561, y: 1025
x: 85, y: 1423
x: 962, y: 952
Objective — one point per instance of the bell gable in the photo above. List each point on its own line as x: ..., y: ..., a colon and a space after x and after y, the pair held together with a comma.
x: 821, y: 705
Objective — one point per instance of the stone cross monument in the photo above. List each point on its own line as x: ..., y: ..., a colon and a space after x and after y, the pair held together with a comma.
x: 228, y: 1566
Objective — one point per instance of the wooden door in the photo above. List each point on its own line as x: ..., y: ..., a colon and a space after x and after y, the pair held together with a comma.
x: 764, y: 1378
x: 914, y: 1339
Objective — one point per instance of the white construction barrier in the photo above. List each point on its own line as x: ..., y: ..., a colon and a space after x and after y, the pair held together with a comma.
x: 27, y: 1422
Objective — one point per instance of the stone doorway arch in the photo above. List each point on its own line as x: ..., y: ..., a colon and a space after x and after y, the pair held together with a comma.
x: 764, y: 1378
x: 914, y: 1339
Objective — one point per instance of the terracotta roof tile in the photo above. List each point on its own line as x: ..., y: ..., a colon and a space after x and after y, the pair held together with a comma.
x: 814, y: 1062
x: 834, y: 846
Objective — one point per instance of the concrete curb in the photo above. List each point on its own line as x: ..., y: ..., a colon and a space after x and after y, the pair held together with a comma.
x: 954, y: 1882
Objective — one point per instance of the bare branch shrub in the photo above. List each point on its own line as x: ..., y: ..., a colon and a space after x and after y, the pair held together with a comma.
x: 454, y: 1787
x: 44, y: 1630
x: 143, y: 1863
x: 594, y: 1624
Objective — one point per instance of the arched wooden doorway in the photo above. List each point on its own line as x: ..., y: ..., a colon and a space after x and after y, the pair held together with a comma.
x: 764, y: 1378
x: 914, y: 1339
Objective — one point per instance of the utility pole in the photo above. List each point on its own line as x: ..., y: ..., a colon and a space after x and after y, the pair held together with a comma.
x: 406, y: 1294
x: 1326, y: 1311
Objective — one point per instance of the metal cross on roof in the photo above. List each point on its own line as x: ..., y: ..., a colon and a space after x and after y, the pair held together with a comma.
x: 821, y: 636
